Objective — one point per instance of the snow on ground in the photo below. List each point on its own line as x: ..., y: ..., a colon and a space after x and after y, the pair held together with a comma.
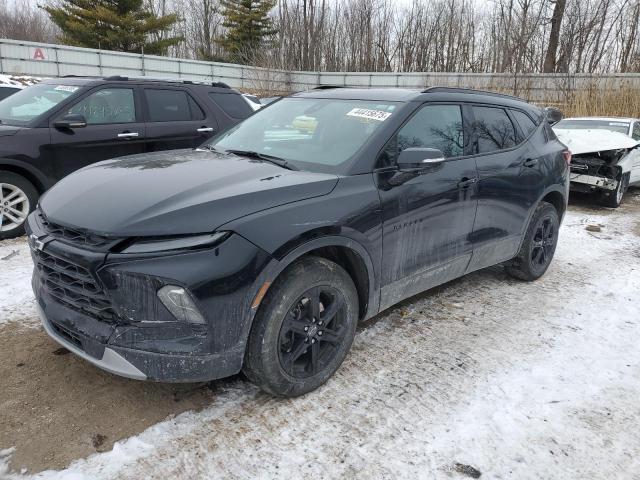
x: 518, y: 380
x: 16, y: 298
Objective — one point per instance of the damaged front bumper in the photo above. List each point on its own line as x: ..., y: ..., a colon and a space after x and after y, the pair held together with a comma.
x: 593, y: 181
x: 104, y: 307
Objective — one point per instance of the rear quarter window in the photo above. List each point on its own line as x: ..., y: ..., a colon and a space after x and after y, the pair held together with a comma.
x: 493, y: 129
x: 232, y: 104
x: 524, y: 122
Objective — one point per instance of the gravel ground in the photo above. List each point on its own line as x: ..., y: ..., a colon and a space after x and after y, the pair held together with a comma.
x: 483, y: 376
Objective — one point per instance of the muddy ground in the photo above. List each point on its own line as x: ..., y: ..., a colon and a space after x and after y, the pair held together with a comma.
x: 485, y: 374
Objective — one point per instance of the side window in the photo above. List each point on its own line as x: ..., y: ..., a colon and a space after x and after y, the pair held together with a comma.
x: 526, y: 124
x: 109, y: 105
x: 636, y: 131
x: 493, y: 128
x: 434, y: 126
x: 196, y: 111
x: 169, y: 105
x: 233, y: 104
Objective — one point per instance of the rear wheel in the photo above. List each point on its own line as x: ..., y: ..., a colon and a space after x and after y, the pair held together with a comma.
x: 18, y: 198
x: 304, y: 328
x: 538, y: 246
x: 613, y: 198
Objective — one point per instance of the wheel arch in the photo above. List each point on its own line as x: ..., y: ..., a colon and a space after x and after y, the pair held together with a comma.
x: 558, y: 200
x: 347, y: 253
x: 37, y: 180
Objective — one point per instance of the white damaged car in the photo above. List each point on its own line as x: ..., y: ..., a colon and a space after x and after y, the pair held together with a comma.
x: 604, y: 161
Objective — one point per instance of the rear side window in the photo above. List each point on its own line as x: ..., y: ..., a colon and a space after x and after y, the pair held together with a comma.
x: 171, y: 106
x: 636, y: 131
x: 526, y: 124
x: 233, y: 104
x: 493, y: 129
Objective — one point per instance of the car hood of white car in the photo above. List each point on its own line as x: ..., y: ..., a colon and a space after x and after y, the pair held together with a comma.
x: 593, y: 140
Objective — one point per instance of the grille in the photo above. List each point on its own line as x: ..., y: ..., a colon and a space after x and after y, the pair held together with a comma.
x: 73, y: 286
x: 73, y: 236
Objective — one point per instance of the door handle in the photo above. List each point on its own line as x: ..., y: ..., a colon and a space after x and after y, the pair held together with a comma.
x: 530, y: 162
x: 128, y: 135
x: 204, y: 129
x: 467, y: 182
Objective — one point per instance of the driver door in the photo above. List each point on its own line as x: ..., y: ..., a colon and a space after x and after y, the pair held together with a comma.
x: 428, y: 216
x: 114, y: 128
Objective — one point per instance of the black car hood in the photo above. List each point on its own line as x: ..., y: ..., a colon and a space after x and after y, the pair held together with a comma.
x: 175, y: 192
x: 7, y: 130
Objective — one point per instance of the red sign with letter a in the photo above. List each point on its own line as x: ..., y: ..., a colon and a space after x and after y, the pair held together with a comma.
x: 38, y: 54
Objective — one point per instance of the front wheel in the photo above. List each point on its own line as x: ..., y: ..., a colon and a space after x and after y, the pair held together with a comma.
x: 613, y: 198
x: 18, y: 198
x: 538, y: 246
x: 303, y: 329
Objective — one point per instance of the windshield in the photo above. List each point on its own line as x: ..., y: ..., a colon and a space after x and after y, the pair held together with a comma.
x: 24, y: 106
x: 612, y: 125
x: 312, y: 134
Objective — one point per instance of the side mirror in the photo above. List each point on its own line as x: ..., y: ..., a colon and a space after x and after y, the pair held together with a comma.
x: 412, y: 159
x: 553, y: 115
x: 71, y: 121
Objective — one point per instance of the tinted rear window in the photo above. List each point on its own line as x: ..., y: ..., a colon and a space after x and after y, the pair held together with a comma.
x: 493, y: 128
x: 233, y: 104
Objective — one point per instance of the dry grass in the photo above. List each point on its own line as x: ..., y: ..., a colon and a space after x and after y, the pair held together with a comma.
x: 623, y: 102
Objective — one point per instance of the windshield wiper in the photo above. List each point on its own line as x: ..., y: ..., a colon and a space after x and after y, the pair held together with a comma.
x: 281, y: 162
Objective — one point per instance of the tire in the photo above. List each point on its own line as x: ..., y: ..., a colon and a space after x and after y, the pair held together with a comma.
x: 294, y: 348
x: 13, y: 212
x: 538, y: 246
x: 613, y: 198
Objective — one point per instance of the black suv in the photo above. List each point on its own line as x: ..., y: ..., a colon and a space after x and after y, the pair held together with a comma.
x: 61, y: 125
x: 261, y: 250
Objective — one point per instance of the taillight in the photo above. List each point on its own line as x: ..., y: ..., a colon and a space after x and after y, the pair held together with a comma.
x: 567, y: 156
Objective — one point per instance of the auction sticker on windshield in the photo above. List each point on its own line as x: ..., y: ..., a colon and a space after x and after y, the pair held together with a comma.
x: 66, y: 88
x: 370, y: 114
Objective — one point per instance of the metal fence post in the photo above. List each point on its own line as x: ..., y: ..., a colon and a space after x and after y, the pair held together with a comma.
x: 55, y: 49
x: 1, y: 62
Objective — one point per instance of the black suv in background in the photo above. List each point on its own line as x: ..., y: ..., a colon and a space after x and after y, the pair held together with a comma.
x: 61, y: 125
x: 262, y: 249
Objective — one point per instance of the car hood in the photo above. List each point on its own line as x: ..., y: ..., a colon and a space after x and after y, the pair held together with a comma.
x: 175, y: 192
x: 6, y: 130
x: 582, y: 141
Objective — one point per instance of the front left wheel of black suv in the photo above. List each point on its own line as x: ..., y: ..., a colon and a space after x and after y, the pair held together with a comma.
x: 304, y: 328
x: 18, y: 198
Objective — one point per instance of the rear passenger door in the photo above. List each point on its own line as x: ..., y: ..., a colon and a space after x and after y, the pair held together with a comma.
x: 175, y: 119
x: 510, y: 181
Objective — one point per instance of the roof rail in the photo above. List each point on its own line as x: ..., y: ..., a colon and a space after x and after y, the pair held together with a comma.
x: 116, y: 78
x: 470, y: 91
x: 328, y: 87
x: 220, y: 85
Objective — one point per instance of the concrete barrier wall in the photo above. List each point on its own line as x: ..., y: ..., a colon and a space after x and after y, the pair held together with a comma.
x: 48, y: 60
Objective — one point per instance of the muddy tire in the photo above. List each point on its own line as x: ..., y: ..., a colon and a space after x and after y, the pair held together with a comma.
x: 304, y: 328
x: 538, y: 246
x: 613, y: 198
x: 18, y: 198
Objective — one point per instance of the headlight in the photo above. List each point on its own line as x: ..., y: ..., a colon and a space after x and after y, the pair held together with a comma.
x: 176, y: 243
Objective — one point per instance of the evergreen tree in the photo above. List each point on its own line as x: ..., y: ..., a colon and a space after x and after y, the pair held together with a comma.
x: 249, y: 27
x: 121, y: 25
